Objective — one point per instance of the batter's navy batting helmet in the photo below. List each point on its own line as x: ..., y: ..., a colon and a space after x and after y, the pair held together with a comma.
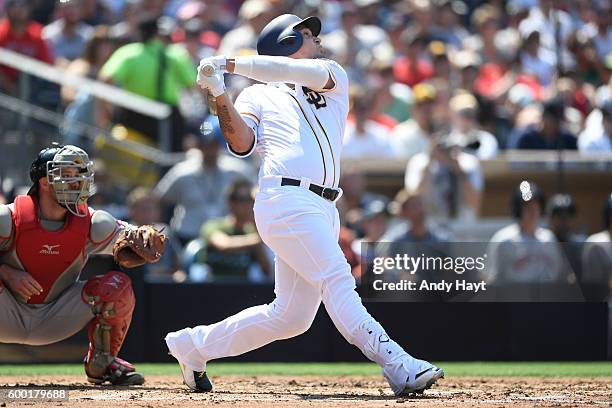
x: 280, y: 37
x: 525, y: 192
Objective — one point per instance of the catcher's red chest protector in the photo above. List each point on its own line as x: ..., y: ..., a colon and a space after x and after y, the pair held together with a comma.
x: 47, y: 254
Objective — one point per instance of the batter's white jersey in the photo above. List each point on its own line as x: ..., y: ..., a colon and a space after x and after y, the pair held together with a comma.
x: 298, y: 131
x: 299, y: 135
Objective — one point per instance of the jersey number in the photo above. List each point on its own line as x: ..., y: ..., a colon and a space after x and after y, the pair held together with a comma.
x: 314, y: 98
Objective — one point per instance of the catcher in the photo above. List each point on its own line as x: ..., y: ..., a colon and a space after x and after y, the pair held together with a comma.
x: 46, y: 238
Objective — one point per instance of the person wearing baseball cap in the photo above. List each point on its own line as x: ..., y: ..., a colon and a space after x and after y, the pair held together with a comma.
x: 465, y: 128
x: 414, y: 135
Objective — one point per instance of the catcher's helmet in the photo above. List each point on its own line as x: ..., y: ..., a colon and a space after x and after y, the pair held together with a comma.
x: 38, y: 168
x: 53, y: 163
x: 280, y: 37
x: 525, y: 192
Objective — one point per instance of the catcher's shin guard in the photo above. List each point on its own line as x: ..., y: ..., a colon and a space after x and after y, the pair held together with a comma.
x: 112, y: 300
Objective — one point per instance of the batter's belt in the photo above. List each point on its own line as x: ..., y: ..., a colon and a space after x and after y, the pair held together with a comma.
x: 328, y: 193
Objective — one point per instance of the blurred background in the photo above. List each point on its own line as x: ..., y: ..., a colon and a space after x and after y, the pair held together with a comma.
x: 454, y: 104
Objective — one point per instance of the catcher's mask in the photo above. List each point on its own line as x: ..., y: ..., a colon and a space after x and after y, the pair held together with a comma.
x: 64, y: 166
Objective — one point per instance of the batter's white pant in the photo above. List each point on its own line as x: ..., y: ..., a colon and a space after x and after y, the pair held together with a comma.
x: 302, y: 229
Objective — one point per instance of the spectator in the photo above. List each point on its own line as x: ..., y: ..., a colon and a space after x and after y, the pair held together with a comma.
x: 449, y: 28
x: 144, y: 209
x: 414, y: 135
x: 136, y: 68
x: 561, y: 213
x: 371, y: 223
x: 600, y: 30
x: 218, y: 16
x: 598, y: 140
x: 95, y: 12
x: 233, y: 246
x: 81, y: 106
x: 597, y: 258
x: 537, y: 60
x: 20, y: 34
x: 411, y: 67
x: 465, y: 131
x: 109, y: 193
x: 588, y: 67
x: 354, y: 193
x: 345, y: 240
x: 97, y: 51
x: 410, y: 207
x: 468, y: 64
x: 392, y: 99
x: 547, y: 19
x: 550, y: 134
x: 414, y: 237
x: 199, y: 42
x: 486, y: 19
x: 363, y: 136
x: 354, y: 37
x: 196, y: 188
x: 253, y: 17
x: 67, y: 35
x: 524, y: 252
x: 449, y: 180
x: 440, y: 61
x: 126, y: 29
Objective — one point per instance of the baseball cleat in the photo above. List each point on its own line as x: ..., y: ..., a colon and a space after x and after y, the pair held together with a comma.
x: 119, y: 372
x: 411, y: 376
x: 197, y: 381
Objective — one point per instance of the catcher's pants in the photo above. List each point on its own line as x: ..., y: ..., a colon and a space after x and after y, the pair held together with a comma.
x: 43, y: 324
x: 302, y: 229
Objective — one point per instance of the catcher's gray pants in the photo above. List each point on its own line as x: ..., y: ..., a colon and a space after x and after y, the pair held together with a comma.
x: 43, y: 324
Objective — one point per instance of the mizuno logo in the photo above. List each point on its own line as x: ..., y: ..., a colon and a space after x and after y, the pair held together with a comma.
x: 49, y: 250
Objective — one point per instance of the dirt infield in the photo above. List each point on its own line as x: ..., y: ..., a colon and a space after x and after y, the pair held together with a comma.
x: 308, y: 391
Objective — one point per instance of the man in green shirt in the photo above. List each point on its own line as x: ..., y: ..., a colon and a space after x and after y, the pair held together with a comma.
x: 232, y: 242
x: 136, y: 68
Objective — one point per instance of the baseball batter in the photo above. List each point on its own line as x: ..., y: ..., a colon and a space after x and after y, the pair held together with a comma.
x: 295, y: 120
x: 46, y: 238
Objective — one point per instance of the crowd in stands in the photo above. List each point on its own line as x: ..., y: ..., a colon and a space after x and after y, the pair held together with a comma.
x: 439, y: 84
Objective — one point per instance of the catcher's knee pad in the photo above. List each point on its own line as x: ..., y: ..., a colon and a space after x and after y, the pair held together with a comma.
x: 112, y: 301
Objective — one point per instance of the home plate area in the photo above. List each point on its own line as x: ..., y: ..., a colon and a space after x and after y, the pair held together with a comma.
x: 341, y: 391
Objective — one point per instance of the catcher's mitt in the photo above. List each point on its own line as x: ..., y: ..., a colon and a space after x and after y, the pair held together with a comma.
x: 138, y: 245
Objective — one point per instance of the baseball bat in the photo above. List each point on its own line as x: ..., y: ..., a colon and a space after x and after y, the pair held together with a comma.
x: 209, y: 70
